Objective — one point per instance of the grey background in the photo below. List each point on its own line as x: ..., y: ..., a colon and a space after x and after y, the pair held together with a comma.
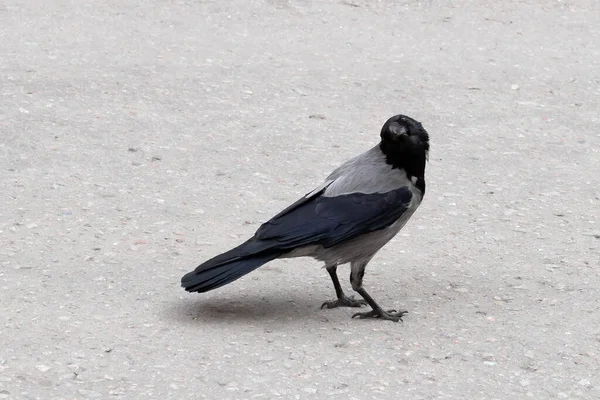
x: 138, y: 139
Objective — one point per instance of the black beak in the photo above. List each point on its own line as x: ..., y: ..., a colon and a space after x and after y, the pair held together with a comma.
x: 397, y: 130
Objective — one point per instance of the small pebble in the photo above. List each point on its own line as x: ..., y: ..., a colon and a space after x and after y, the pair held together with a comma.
x: 89, y: 393
x: 529, y: 354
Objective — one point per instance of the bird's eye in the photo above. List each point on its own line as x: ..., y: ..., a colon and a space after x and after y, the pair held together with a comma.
x: 403, y: 120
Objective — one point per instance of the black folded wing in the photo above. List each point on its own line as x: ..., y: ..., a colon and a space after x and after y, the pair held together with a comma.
x: 331, y: 220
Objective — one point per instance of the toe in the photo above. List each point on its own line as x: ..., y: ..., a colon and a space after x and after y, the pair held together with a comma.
x: 363, y: 315
x: 330, y: 304
x: 390, y: 315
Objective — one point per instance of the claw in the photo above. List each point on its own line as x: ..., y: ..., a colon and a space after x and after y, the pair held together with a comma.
x: 389, y: 315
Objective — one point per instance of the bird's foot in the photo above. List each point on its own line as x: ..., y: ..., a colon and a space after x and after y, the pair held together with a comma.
x: 389, y: 315
x: 344, y: 301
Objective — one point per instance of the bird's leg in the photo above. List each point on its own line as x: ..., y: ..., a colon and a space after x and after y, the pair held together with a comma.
x: 342, y: 299
x: 356, y: 277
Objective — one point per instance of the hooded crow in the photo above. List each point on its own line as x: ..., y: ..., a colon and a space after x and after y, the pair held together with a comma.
x: 361, y: 206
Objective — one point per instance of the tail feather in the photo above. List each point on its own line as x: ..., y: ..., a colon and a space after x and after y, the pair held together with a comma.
x: 227, y: 267
x: 209, y: 279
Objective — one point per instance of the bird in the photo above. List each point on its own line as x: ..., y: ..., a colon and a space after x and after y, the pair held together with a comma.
x: 358, y: 208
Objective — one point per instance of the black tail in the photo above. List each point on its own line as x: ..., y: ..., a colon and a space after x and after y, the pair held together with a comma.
x: 227, y: 267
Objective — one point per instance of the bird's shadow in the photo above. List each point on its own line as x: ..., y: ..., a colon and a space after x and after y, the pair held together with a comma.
x: 246, y: 308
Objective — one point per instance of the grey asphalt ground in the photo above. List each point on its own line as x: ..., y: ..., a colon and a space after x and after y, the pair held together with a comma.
x: 140, y: 138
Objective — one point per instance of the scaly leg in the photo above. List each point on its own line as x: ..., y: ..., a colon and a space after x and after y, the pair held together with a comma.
x: 342, y: 299
x: 356, y: 277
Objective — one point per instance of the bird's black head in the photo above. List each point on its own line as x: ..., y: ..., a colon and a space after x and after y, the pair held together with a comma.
x: 405, y: 144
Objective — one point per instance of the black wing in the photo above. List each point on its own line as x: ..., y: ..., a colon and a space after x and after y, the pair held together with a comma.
x: 332, y: 220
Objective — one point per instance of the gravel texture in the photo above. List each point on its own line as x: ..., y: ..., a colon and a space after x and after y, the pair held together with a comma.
x: 140, y: 138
